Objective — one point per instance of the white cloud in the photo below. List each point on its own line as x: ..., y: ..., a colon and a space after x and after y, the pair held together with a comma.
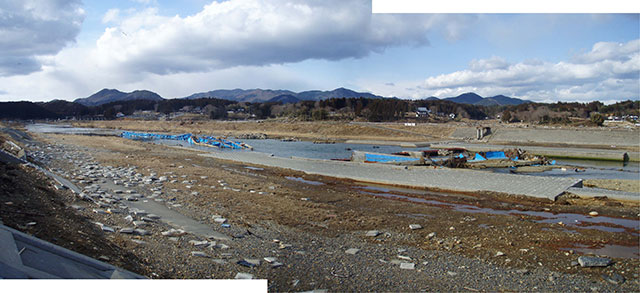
x: 258, y: 33
x: 111, y: 15
x: 608, y: 71
x: 32, y: 28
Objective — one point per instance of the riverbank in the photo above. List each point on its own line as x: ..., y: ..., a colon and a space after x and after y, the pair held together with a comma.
x: 311, y: 224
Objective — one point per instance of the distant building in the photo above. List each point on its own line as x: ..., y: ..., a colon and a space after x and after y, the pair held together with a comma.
x: 422, y: 112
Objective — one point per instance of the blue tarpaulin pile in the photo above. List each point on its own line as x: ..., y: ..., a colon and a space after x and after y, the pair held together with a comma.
x: 190, y: 138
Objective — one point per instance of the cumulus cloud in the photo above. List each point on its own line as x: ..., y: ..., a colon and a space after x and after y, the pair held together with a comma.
x: 33, y: 28
x: 609, y: 71
x: 257, y: 33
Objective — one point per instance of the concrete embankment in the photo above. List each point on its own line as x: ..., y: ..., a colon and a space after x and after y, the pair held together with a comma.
x: 594, y: 137
x: 460, y: 180
x: 404, y: 144
x: 553, y: 152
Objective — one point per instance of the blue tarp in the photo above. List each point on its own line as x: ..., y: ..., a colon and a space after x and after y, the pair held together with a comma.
x: 495, y: 155
x: 192, y: 139
x: 479, y: 157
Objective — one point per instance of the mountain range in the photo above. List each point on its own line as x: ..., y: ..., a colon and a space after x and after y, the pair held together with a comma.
x: 105, y: 96
x: 285, y: 96
x: 475, y: 99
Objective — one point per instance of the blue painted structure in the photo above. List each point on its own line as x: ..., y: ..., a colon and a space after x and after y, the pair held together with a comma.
x: 380, y: 158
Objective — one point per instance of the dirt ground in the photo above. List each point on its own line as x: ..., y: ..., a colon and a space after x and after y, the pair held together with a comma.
x: 29, y: 203
x: 614, y: 184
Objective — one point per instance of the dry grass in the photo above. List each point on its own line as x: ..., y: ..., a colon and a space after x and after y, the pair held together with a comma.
x: 304, y: 130
x: 614, y: 184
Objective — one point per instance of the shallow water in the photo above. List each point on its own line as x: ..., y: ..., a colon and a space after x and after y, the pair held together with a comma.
x: 610, y: 250
x: 606, y: 224
x: 307, y: 149
x: 302, y: 180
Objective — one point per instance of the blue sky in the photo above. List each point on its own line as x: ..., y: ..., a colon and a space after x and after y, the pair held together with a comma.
x: 176, y: 48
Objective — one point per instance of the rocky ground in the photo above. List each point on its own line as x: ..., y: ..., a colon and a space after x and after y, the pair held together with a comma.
x: 306, y: 232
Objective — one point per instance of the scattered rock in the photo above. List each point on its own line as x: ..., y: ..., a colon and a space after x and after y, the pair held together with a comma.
x: 253, y: 261
x: 499, y: 253
x: 221, y: 246
x: 450, y: 273
x: 593, y: 261
x: 404, y: 257
x: 244, y: 276
x: 593, y: 213
x: 173, y: 232
x: 284, y: 246
x: 141, y: 232
x: 352, y: 251
x: 372, y: 233
x: 613, y: 279
x: 139, y: 223
x: 522, y: 271
x: 407, y: 266
x: 415, y: 226
x: 199, y: 253
x: 126, y: 230
x: 245, y: 263
x: 431, y: 235
x: 197, y: 243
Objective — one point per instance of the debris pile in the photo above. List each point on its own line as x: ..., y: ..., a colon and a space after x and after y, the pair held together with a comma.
x: 208, y: 141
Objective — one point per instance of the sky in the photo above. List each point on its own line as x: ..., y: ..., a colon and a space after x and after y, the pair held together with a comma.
x: 68, y: 49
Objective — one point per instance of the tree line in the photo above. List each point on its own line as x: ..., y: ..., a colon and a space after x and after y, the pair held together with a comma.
x: 367, y: 109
